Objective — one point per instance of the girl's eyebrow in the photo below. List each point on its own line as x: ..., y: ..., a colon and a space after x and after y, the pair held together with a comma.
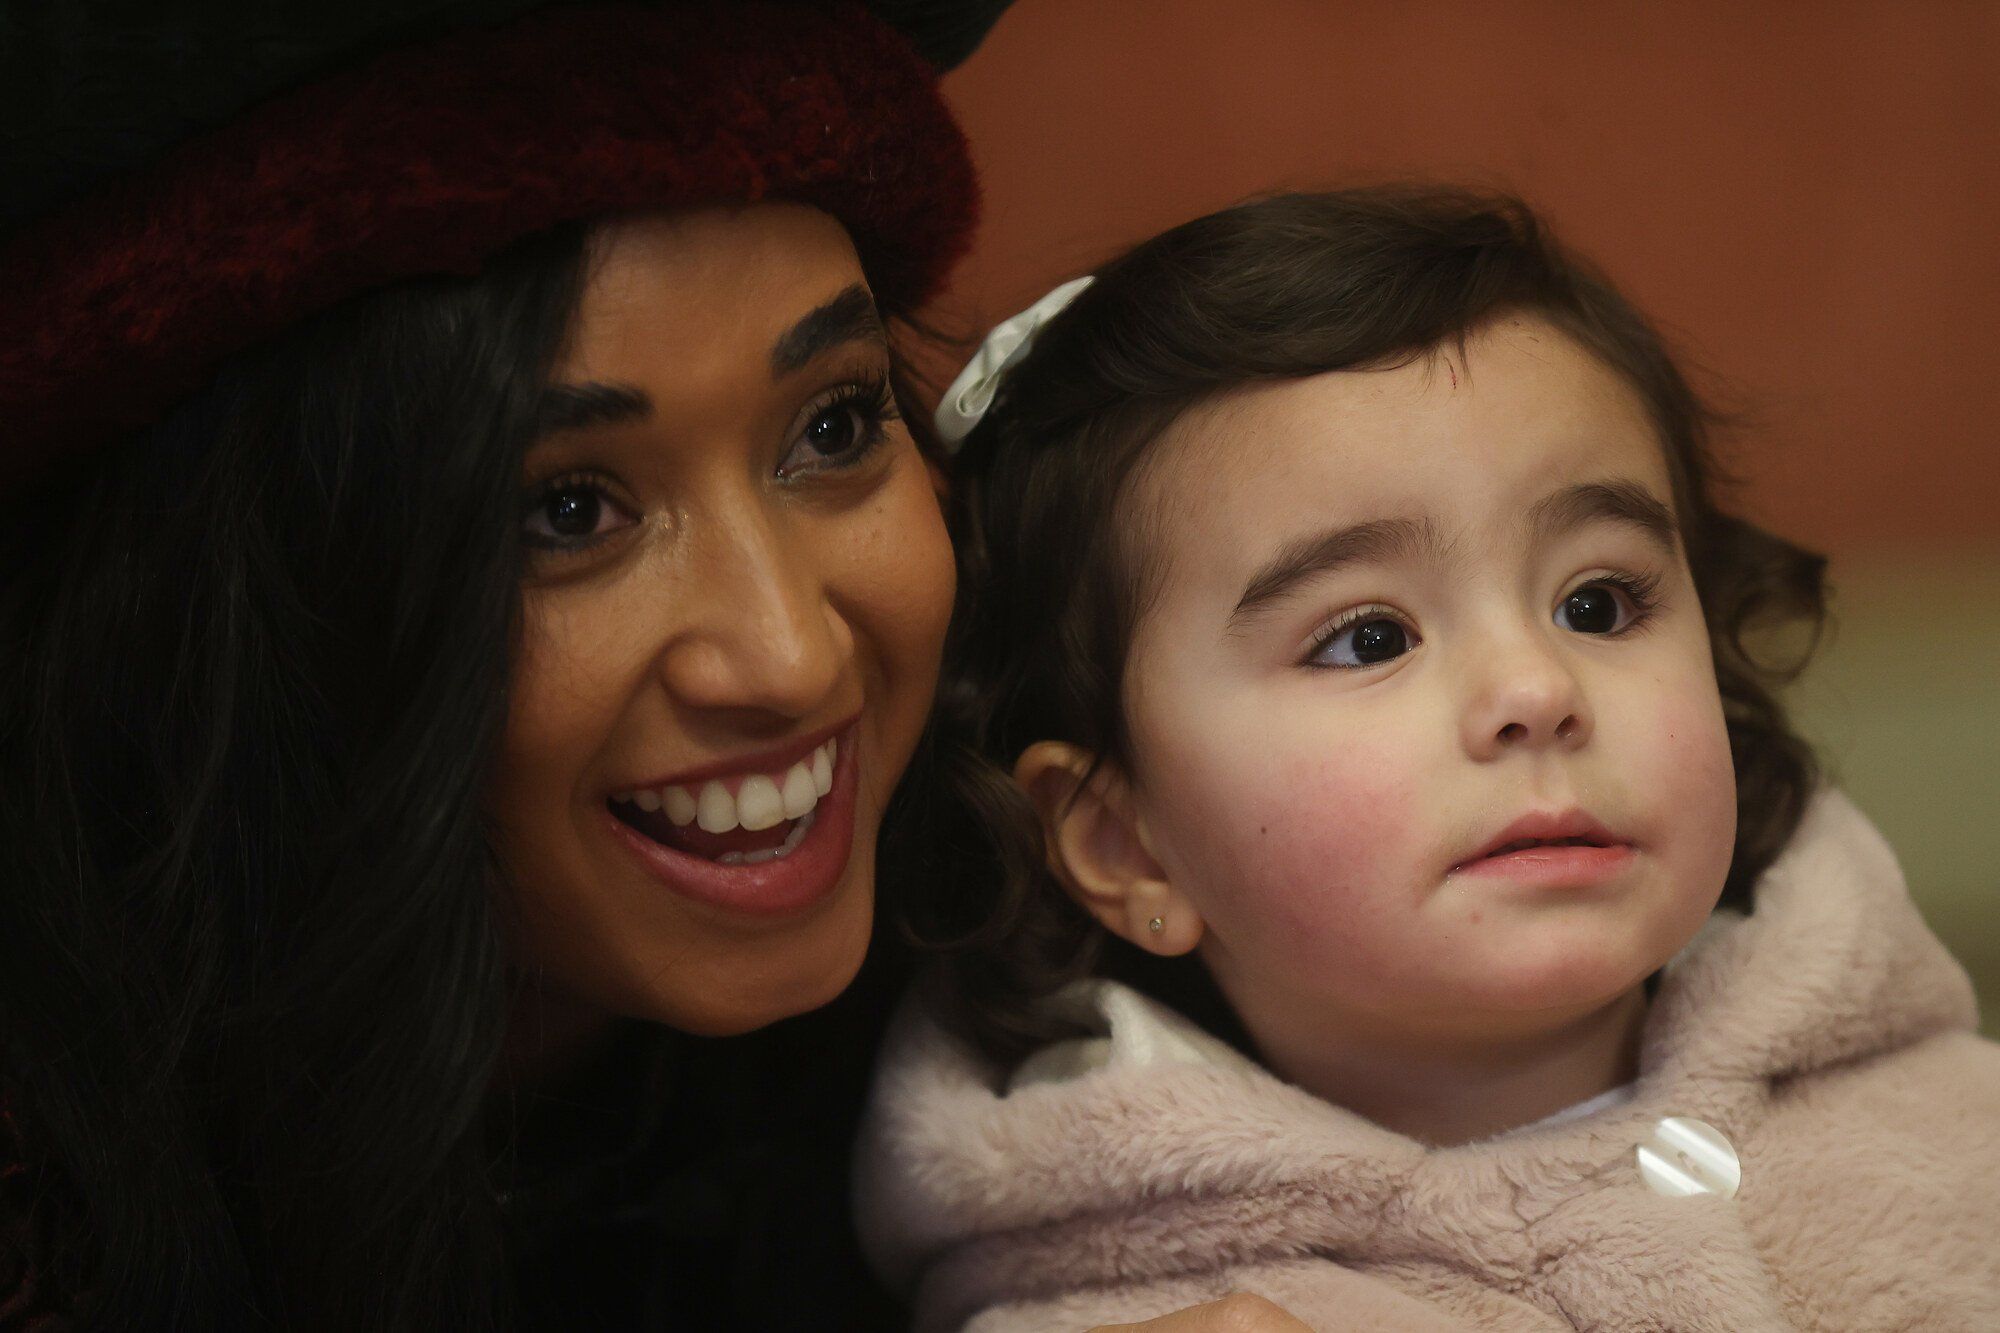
x: 1386, y: 540
x: 1626, y: 502
x: 1377, y: 541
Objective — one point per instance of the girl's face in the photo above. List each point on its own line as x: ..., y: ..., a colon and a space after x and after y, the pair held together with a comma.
x: 738, y: 583
x: 1400, y: 611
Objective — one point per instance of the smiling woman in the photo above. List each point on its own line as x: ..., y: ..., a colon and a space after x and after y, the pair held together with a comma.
x: 737, y: 587
x: 470, y: 596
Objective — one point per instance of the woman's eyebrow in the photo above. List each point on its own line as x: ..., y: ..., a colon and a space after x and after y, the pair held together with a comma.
x: 848, y: 317
x: 1625, y: 502
x: 1380, y: 540
x: 576, y: 406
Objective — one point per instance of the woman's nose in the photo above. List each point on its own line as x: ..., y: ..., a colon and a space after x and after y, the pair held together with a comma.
x: 759, y: 632
x: 1526, y: 696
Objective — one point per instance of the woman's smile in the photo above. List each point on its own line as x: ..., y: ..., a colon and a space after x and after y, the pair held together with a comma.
x: 757, y: 843
x: 719, y: 811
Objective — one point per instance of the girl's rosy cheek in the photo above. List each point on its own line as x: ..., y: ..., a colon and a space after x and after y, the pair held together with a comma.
x: 1329, y: 844
x: 1691, y: 741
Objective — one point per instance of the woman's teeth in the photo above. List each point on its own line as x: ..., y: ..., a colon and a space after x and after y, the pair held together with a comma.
x: 792, y: 840
x: 760, y: 801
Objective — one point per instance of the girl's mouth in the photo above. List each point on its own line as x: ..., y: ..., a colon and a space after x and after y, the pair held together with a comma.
x: 1555, y: 850
x: 760, y: 843
x: 1568, y: 863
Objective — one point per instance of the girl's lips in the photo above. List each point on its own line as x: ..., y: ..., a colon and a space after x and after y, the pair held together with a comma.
x: 785, y: 886
x: 1551, y: 849
x: 1552, y: 866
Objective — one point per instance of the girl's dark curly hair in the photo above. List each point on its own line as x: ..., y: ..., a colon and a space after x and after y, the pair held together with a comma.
x: 1053, y: 567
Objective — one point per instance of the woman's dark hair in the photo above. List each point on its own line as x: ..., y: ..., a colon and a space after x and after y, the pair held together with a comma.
x: 1053, y: 553
x: 252, y: 983
x: 253, y: 970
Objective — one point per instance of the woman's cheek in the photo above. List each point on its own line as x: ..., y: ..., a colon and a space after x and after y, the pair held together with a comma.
x: 573, y: 659
x: 927, y: 579
x: 900, y: 564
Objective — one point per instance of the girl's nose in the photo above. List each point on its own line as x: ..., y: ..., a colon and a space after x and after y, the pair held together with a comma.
x: 760, y: 633
x: 1525, y: 697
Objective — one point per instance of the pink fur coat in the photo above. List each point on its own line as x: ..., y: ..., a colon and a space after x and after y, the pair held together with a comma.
x: 1828, y: 1037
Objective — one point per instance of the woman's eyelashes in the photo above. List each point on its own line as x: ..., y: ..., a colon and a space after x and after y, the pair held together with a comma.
x: 571, y: 513
x: 841, y: 428
x: 838, y: 430
x: 1607, y: 605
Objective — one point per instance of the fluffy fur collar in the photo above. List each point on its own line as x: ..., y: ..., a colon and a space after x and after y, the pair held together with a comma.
x: 976, y: 1194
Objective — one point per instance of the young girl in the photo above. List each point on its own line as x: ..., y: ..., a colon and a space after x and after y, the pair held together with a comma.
x: 1411, y: 904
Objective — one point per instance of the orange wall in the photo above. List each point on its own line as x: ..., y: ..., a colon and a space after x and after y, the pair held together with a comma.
x: 1806, y: 194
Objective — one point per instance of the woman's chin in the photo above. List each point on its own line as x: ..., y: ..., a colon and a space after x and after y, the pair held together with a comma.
x: 760, y: 1005
x: 768, y: 977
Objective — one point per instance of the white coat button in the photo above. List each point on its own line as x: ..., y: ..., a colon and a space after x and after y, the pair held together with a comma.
x: 1686, y: 1157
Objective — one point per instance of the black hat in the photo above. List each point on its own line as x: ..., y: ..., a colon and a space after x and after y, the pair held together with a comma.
x: 185, y: 179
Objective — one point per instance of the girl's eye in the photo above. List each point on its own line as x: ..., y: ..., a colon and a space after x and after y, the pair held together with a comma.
x: 841, y: 430
x: 1366, y: 640
x: 569, y: 514
x: 1608, y: 606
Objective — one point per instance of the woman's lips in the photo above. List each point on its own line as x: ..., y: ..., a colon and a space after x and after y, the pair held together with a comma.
x: 781, y: 886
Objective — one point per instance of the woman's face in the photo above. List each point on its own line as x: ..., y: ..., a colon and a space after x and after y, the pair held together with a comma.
x: 738, y: 582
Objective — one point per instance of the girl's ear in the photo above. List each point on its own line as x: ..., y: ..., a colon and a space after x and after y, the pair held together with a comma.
x: 1099, y: 851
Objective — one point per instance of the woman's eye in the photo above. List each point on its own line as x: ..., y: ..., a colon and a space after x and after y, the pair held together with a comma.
x: 833, y: 430
x: 571, y: 515
x: 1598, y: 608
x: 841, y: 431
x: 1367, y: 642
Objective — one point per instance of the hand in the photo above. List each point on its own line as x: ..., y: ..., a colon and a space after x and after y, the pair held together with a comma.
x: 1238, y: 1312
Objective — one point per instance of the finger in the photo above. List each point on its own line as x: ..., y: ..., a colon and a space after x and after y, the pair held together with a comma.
x: 1238, y: 1312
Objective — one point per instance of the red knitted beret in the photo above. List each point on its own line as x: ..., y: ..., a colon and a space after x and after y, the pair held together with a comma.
x: 433, y: 158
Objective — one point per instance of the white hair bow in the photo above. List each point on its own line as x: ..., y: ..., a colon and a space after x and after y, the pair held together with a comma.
x: 966, y: 401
